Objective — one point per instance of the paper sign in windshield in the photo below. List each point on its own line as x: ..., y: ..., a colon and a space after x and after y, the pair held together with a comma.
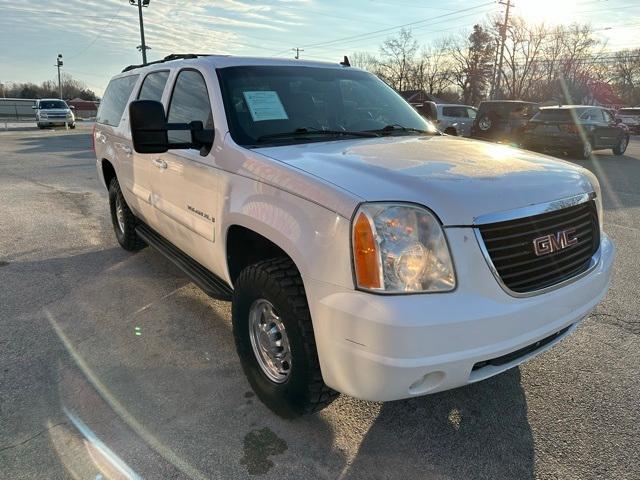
x: 265, y: 105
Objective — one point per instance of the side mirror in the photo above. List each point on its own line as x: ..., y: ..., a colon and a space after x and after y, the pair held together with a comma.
x: 149, y: 130
x: 71, y: 107
x: 34, y: 107
x: 148, y: 127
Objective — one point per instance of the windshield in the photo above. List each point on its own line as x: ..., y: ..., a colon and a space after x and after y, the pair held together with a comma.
x: 265, y: 103
x: 52, y: 104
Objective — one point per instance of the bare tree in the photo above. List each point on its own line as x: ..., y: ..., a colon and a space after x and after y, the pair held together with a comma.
x: 365, y: 61
x: 431, y: 72
x: 396, y: 59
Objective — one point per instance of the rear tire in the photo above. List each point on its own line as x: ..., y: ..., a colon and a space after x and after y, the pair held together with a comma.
x: 622, y: 146
x: 586, y: 151
x: 124, y: 221
x: 297, y: 387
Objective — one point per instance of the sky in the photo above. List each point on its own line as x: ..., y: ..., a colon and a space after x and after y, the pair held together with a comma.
x: 98, y: 38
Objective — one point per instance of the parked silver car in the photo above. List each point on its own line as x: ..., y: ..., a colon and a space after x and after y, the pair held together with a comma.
x: 450, y: 118
x: 52, y: 111
x: 631, y: 118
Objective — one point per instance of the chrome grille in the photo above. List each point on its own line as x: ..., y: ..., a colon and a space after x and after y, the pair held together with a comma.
x: 509, y: 245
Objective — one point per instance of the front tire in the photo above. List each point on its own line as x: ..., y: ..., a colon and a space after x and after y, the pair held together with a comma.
x: 275, y: 341
x: 124, y: 221
x: 622, y: 146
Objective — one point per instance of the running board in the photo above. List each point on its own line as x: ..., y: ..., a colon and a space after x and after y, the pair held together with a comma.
x: 210, y: 283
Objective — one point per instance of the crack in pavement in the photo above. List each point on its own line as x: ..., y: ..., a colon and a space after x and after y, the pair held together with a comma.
x: 36, y: 435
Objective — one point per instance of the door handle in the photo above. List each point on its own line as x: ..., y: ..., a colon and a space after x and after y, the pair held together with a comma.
x: 158, y: 162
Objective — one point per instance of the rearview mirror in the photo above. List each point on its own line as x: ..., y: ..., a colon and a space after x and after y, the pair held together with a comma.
x: 149, y: 130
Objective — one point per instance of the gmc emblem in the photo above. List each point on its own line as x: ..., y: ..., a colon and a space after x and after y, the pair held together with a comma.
x: 554, y: 242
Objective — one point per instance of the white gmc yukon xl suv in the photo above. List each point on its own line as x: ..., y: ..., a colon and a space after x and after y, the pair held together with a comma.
x: 363, y: 251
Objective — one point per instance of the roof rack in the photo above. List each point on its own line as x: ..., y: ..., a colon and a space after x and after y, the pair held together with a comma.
x: 168, y: 58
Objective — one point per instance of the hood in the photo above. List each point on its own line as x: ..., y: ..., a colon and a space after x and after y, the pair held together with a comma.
x: 458, y: 179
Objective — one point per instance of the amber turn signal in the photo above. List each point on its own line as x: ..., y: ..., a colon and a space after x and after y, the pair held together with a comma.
x: 365, y: 253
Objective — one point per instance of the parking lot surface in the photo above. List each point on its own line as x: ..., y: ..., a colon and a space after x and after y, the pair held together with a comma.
x: 114, y: 364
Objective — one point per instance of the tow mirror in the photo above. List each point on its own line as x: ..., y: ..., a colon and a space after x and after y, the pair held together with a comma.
x: 150, y: 130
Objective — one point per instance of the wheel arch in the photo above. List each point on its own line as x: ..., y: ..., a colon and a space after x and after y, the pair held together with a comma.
x: 245, y: 246
x: 108, y: 171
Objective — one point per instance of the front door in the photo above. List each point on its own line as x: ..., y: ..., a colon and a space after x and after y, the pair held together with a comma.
x: 611, y: 130
x: 186, y: 183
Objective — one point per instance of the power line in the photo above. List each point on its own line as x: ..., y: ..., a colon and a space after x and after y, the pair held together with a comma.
x: 395, y: 27
x: 99, y: 35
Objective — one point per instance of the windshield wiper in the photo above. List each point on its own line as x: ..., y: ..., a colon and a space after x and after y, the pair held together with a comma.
x: 306, y: 131
x: 396, y: 127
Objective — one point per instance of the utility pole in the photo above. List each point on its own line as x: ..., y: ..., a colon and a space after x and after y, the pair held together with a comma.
x: 59, y: 63
x: 297, y: 50
x: 142, y: 47
x: 503, y: 37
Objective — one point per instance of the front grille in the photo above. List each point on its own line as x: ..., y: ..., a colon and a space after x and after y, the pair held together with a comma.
x: 510, y: 247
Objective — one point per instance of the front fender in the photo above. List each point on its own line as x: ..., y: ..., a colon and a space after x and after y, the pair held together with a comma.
x: 315, y: 238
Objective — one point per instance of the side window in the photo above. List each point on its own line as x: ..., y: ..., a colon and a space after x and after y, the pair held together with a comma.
x: 607, y: 116
x: 189, y: 102
x: 115, y: 100
x: 471, y: 112
x: 153, y: 86
x: 458, y: 112
x: 595, y: 114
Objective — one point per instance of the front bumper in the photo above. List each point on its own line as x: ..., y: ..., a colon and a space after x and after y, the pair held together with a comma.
x: 56, y: 121
x: 382, y: 348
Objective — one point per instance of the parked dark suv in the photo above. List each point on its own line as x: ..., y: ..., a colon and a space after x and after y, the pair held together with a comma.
x: 502, y: 120
x: 575, y: 129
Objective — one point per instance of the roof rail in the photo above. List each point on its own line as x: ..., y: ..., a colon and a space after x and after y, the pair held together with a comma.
x: 168, y: 58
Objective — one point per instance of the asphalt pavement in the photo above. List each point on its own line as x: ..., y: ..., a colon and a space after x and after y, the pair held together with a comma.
x: 114, y: 365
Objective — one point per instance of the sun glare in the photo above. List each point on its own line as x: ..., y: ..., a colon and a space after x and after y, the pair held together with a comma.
x: 546, y: 11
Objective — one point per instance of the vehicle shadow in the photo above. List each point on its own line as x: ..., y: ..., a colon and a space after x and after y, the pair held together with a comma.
x: 77, y: 145
x: 148, y: 363
x: 477, y: 431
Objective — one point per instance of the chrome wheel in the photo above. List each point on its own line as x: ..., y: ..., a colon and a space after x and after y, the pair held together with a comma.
x: 269, y: 341
x: 120, y: 214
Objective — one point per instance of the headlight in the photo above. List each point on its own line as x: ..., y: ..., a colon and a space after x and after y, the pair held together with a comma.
x: 44, y: 115
x: 400, y: 248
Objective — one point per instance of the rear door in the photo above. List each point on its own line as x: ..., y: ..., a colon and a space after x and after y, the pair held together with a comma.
x: 143, y: 170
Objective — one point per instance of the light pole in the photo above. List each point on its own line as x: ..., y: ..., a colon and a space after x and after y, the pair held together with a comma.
x: 59, y: 63
x: 142, y: 47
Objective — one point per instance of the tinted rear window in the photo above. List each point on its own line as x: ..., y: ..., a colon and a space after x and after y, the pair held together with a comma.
x: 629, y: 111
x: 115, y: 100
x: 454, y: 112
x: 555, y: 114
